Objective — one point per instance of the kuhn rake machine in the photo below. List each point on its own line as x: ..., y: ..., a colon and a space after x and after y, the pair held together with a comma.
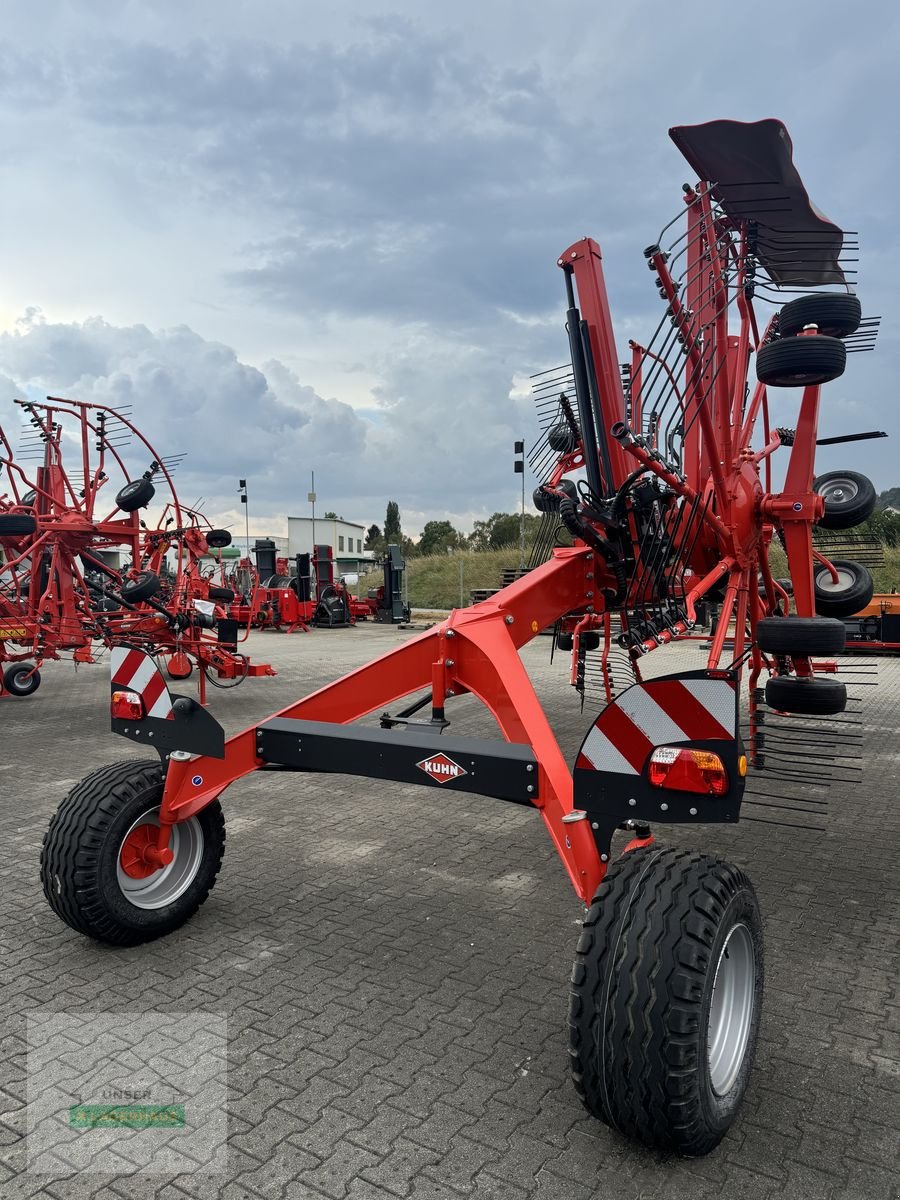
x: 59, y: 592
x: 673, y: 502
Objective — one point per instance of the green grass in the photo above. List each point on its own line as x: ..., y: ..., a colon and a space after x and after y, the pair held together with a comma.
x: 434, y: 581
x: 886, y: 576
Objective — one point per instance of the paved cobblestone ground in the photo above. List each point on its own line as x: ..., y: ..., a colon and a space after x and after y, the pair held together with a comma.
x: 393, y: 966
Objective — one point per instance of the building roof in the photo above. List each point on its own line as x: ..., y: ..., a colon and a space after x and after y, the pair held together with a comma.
x: 322, y: 520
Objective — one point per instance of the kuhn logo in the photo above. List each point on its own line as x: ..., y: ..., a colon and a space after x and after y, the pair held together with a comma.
x: 441, y: 769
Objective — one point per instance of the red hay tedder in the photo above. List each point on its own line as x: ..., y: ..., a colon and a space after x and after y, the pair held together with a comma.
x: 59, y: 595
x: 672, y: 503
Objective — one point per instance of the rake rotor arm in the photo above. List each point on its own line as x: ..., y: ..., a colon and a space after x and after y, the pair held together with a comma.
x: 583, y: 262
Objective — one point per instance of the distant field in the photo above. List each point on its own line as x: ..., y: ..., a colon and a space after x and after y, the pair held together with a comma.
x: 434, y: 581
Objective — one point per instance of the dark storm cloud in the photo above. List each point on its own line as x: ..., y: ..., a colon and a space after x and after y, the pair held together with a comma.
x: 187, y: 394
x: 400, y: 174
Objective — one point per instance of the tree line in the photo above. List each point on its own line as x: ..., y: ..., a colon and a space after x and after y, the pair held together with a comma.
x: 501, y: 531
x: 498, y: 532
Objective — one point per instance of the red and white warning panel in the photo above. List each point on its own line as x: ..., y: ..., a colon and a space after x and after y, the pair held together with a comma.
x: 658, y: 713
x: 666, y: 749
x: 143, y: 710
x: 136, y: 672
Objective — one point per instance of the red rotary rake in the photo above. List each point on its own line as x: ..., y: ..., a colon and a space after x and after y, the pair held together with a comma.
x: 675, y: 504
x: 59, y: 595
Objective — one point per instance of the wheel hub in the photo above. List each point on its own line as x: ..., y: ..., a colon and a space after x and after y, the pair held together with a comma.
x: 825, y: 583
x: 151, y: 878
x: 140, y: 855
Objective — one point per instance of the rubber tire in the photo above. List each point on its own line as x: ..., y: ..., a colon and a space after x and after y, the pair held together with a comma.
x: 836, y: 315
x: 218, y: 539
x: 641, y: 990
x: 801, y: 636
x: 28, y: 688
x: 143, y: 587
x: 851, y: 600
x: 226, y: 595
x: 562, y: 439
x: 17, y: 524
x: 81, y: 848
x: 847, y: 514
x: 590, y: 639
x: 801, y: 361
x: 565, y: 641
x: 806, y: 697
x: 136, y: 494
x: 544, y: 502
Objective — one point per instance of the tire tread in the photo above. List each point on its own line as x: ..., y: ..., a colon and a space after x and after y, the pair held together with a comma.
x: 75, y: 837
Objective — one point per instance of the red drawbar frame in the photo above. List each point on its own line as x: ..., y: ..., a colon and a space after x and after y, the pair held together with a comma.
x: 475, y: 650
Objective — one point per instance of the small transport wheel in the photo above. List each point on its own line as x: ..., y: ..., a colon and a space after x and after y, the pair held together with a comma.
x: 94, y: 866
x: 845, y: 596
x: 135, y: 495
x: 547, y: 502
x: 144, y: 586
x: 801, y: 361
x: 835, y: 315
x: 562, y: 439
x: 565, y: 641
x: 801, y: 636
x: 17, y: 524
x: 590, y: 639
x: 849, y: 498
x: 21, y: 679
x: 665, y: 1000
x: 806, y: 697
x: 218, y: 539
x: 226, y: 595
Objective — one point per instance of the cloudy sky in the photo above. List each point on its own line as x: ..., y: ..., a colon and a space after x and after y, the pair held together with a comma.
x: 302, y: 236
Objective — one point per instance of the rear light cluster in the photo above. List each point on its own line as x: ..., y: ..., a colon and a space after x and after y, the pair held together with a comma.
x: 683, y: 770
x: 127, y: 706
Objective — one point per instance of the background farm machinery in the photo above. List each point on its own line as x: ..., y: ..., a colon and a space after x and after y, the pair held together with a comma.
x: 661, y: 473
x: 60, y: 530
x: 277, y: 593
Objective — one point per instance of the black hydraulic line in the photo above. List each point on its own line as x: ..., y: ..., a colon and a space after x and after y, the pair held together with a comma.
x: 582, y: 389
x: 621, y: 494
x: 583, y: 529
x: 602, y: 443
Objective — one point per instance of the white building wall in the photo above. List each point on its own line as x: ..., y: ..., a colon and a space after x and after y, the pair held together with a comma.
x: 346, y: 538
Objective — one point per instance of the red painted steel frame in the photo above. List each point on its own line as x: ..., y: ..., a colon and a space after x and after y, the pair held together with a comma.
x: 475, y: 650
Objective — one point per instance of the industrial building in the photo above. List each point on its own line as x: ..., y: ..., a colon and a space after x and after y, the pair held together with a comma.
x: 346, y: 539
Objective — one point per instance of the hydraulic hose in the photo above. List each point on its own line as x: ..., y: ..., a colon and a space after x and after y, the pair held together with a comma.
x: 586, y: 532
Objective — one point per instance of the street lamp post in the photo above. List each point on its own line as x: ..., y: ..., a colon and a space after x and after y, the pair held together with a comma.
x: 242, y: 484
x: 519, y: 468
x: 311, y: 497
